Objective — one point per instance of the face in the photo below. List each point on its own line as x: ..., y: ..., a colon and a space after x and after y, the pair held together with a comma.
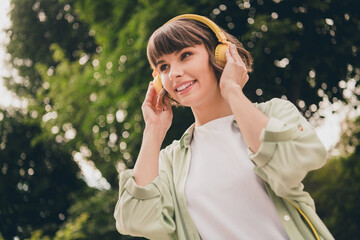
x: 188, y: 77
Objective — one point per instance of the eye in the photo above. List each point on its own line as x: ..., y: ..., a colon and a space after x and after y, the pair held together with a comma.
x: 185, y: 55
x: 163, y: 67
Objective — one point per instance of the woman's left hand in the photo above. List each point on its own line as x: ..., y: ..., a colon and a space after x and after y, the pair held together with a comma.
x: 235, y: 73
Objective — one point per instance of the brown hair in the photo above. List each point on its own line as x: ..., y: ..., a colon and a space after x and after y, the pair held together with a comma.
x: 182, y: 33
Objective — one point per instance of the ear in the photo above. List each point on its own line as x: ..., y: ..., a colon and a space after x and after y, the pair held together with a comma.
x: 154, y: 73
x: 157, y: 81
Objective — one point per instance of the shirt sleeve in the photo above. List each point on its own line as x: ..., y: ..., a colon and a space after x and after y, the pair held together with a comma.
x: 290, y: 149
x: 145, y: 211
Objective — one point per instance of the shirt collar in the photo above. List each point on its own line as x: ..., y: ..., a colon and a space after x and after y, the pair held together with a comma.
x: 186, y: 138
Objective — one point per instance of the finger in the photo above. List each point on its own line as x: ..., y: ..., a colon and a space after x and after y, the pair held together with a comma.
x: 150, y: 98
x: 150, y: 93
x: 235, y: 55
x: 159, y: 104
x: 228, y: 56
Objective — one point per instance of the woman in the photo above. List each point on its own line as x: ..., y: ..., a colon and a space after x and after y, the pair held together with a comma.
x: 236, y: 172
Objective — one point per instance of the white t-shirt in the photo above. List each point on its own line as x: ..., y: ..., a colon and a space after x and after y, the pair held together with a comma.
x: 225, y: 198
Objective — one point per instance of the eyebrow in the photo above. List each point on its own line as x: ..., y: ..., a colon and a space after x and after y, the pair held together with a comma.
x: 176, y: 52
x: 159, y: 62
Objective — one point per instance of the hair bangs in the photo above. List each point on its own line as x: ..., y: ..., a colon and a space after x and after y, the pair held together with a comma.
x: 171, y: 38
x: 181, y: 33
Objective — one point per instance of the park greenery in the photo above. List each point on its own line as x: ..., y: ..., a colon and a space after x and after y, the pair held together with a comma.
x: 82, y: 68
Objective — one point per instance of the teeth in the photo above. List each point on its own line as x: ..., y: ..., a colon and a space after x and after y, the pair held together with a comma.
x: 182, y: 87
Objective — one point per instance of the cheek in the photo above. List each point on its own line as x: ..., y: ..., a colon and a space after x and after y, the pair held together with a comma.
x: 165, y: 81
x: 210, y: 73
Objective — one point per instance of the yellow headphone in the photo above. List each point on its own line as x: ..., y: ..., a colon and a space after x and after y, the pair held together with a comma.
x: 219, y: 50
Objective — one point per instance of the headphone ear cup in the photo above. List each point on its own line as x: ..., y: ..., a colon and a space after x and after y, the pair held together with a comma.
x: 157, y: 83
x: 220, y: 52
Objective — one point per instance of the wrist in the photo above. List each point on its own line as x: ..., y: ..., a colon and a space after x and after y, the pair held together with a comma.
x: 155, y: 131
x: 232, y: 92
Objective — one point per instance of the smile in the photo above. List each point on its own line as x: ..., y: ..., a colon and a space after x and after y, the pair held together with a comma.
x: 184, y: 86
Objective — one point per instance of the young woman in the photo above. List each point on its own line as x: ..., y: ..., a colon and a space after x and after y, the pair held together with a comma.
x: 236, y: 172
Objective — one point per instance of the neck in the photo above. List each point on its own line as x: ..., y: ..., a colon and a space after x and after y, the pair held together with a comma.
x: 209, y: 111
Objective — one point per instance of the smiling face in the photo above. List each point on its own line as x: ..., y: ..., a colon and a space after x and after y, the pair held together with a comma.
x: 188, y: 76
x: 180, y: 34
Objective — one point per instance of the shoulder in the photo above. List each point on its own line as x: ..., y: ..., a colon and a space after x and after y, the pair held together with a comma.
x: 277, y: 107
x: 170, y: 152
x: 173, y: 153
x: 173, y: 147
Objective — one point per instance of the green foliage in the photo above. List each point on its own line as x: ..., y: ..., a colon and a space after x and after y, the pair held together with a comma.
x: 350, y: 138
x: 84, y: 71
x: 37, y: 178
x: 302, y: 49
x: 70, y: 231
x: 38, y: 235
x: 336, y: 191
x: 109, y: 85
x: 100, y: 208
x: 36, y: 24
x: 335, y: 188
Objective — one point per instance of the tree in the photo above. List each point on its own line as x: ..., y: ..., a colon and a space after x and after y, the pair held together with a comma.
x: 109, y: 85
x: 84, y: 68
x: 101, y: 96
x: 303, y: 50
x: 36, y: 24
x: 70, y: 230
x: 336, y: 191
x: 37, y: 179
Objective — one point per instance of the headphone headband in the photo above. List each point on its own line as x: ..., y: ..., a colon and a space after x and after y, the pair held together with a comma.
x: 215, y: 28
x: 219, y: 50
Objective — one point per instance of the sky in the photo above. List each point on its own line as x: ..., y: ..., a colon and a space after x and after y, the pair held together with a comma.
x: 328, y: 132
x: 5, y: 96
x: 92, y: 175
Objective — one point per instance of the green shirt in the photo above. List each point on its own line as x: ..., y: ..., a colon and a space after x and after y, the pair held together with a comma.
x: 290, y: 149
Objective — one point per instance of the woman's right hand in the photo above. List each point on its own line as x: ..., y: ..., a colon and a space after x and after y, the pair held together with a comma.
x: 158, y: 118
x: 155, y: 113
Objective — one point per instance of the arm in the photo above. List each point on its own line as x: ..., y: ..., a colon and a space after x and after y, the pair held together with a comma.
x: 146, y: 167
x: 283, y: 145
x: 250, y: 120
x: 146, y: 211
x: 157, y: 124
x: 289, y: 149
x: 145, y: 207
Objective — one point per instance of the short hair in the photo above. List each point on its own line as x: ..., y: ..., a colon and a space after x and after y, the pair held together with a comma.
x: 181, y: 33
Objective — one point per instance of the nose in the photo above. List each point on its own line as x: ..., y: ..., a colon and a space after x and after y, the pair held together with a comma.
x: 176, y: 71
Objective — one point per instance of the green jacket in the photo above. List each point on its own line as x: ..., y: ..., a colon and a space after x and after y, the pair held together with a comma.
x: 290, y: 149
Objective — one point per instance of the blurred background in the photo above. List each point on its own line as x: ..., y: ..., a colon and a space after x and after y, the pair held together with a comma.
x: 74, y: 75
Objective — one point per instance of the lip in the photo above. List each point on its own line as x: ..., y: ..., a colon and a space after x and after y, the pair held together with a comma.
x: 184, y: 83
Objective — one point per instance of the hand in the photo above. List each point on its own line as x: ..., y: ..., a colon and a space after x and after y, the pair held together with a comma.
x: 156, y: 114
x: 235, y: 74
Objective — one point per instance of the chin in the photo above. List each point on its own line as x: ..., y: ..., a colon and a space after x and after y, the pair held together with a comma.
x: 191, y: 103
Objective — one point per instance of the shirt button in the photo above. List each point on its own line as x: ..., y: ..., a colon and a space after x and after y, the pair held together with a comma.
x: 286, y: 218
x: 300, y: 127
